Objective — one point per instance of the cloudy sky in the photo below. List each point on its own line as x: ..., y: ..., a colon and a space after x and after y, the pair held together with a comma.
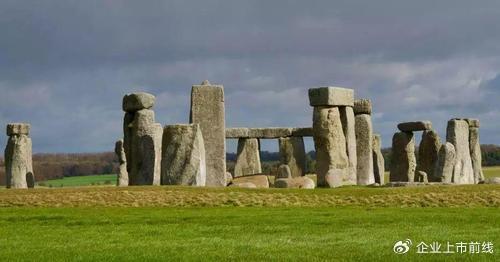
x: 65, y: 65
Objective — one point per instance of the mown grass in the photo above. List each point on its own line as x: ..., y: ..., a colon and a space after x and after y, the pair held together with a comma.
x: 94, y: 180
x: 240, y: 234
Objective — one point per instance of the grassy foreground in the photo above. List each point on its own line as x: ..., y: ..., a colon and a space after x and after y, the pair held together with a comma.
x: 255, y: 234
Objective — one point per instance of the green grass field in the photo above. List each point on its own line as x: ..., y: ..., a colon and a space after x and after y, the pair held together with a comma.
x: 93, y: 180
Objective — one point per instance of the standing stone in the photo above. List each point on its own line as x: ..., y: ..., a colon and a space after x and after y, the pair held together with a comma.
x: 421, y: 176
x: 18, y: 157
x: 330, y: 145
x: 475, y: 153
x: 142, y: 140
x: 428, y: 154
x: 349, y: 127
x: 207, y: 110
x: 364, y: 142
x: 457, y: 133
x: 183, y: 156
x: 446, y: 163
x: 293, y: 154
x: 284, y: 172
x: 378, y: 160
x: 403, y: 162
x: 122, y: 160
x: 248, y: 157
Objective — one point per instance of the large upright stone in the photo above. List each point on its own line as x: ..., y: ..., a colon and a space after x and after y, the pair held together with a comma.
x: 428, y: 154
x: 18, y: 157
x: 207, y: 110
x: 330, y: 145
x: 143, y: 153
x: 349, y: 128
x: 364, y: 143
x: 248, y: 157
x: 457, y: 133
x: 293, y: 154
x: 403, y: 161
x: 378, y: 160
x: 475, y: 152
x: 183, y: 156
x: 122, y: 161
x: 446, y: 163
x: 331, y: 96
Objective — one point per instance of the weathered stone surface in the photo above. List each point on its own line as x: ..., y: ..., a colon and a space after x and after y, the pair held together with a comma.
x: 268, y: 132
x: 295, y: 182
x: 457, y: 133
x: 362, y: 106
x: 248, y: 157
x: 122, y: 179
x: 18, y: 162
x: 143, y: 151
x: 378, y: 160
x: 364, y: 150
x: 207, y: 110
x: 446, y: 163
x: 334, y: 177
x: 475, y: 153
x: 229, y: 178
x: 18, y: 129
x: 428, y: 154
x: 284, y: 172
x: 330, y: 144
x: 415, y: 126
x: 331, y: 96
x: 473, y: 122
x: 260, y: 181
x: 293, y: 154
x: 403, y: 161
x: 492, y: 180
x: 137, y: 101
x: 421, y: 176
x: 349, y: 127
x: 244, y: 185
x: 183, y: 156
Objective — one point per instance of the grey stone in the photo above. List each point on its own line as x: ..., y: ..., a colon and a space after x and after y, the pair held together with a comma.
x: 378, y: 160
x: 183, y: 156
x: 18, y: 162
x: 244, y: 185
x: 293, y: 154
x: 122, y: 160
x: 331, y: 96
x: 207, y: 110
x: 473, y: 122
x: 492, y: 180
x: 229, y: 178
x: 428, y: 154
x: 415, y: 126
x: 457, y: 133
x: 137, y: 101
x: 18, y: 129
x: 268, y: 132
x: 302, y: 131
x: 284, y: 172
x: 364, y: 143
x: 295, y: 182
x: 330, y: 144
x: 421, y: 176
x: 446, y: 163
x: 248, y: 157
x: 260, y: 181
x: 475, y: 153
x: 403, y: 161
x: 142, y: 145
x: 362, y: 106
x: 349, y: 127
x: 334, y: 177
x: 237, y: 132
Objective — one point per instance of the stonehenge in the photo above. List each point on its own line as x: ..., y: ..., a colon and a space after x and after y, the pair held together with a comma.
x: 364, y: 142
x: 122, y: 179
x: 403, y: 162
x: 207, y: 110
x: 18, y: 157
x: 183, y: 159
x: 142, y: 139
x: 457, y: 133
x: 293, y: 154
x: 428, y: 154
x: 446, y: 163
x: 248, y: 157
x: 378, y: 160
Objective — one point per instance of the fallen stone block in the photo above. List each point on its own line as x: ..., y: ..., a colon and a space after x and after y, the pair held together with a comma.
x: 294, y: 182
x: 260, y: 181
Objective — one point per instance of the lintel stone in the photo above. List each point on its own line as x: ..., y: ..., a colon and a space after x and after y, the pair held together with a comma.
x: 415, y: 126
x: 331, y: 96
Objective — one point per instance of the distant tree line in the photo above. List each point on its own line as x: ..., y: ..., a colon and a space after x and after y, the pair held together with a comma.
x: 53, y: 166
